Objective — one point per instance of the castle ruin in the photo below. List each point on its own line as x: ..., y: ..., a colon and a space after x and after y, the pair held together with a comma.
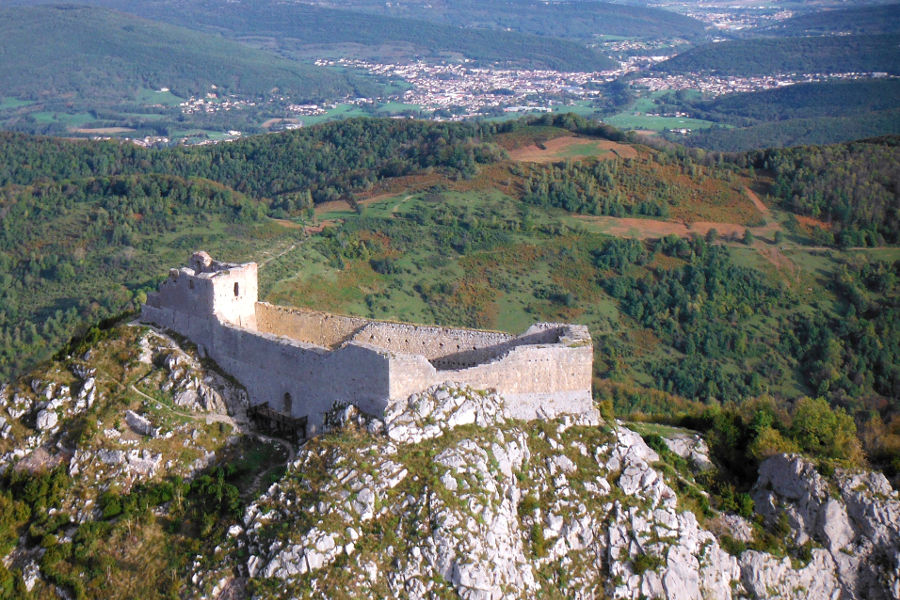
x: 301, y: 363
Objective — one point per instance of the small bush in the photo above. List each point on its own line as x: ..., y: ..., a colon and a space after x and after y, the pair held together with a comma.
x: 646, y: 562
x: 732, y: 546
x: 528, y: 505
x: 538, y: 543
x: 656, y: 442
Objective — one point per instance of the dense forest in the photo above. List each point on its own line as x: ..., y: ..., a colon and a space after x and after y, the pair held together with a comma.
x: 762, y: 56
x: 801, y: 114
x: 582, y: 21
x: 104, y: 56
x: 712, y: 313
x: 875, y: 19
x: 292, y: 26
x: 329, y: 161
x: 614, y: 187
x: 795, y: 132
x: 801, y: 101
x: 76, y: 251
x: 853, y: 187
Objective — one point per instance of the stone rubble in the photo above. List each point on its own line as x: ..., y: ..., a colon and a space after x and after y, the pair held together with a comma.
x: 140, y: 424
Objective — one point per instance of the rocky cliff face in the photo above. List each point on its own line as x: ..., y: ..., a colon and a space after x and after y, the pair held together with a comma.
x: 444, y: 498
x: 450, y: 499
x: 853, y: 516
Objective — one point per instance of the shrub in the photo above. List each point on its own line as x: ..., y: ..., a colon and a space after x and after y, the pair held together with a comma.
x: 822, y: 431
x: 646, y: 562
x: 528, y: 505
x: 538, y: 543
x: 656, y: 442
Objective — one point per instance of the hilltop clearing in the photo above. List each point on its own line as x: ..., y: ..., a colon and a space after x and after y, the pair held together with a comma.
x: 570, y: 147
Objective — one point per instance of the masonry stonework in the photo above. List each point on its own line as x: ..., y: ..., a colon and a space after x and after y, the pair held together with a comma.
x: 302, y: 363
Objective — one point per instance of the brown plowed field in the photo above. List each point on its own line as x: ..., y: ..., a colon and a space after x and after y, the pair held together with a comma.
x: 559, y: 149
x: 651, y: 229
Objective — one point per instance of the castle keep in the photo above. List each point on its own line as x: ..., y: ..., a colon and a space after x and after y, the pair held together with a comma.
x: 300, y: 363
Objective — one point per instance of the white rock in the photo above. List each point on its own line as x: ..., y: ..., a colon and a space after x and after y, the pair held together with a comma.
x: 46, y: 419
x: 767, y: 577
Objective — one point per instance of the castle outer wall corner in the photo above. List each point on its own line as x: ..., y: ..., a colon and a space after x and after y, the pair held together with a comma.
x: 535, y: 381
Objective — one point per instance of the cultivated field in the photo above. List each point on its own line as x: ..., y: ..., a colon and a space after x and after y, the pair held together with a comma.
x: 571, y: 147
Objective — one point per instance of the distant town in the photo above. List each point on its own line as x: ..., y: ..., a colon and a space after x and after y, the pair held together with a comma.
x: 466, y: 90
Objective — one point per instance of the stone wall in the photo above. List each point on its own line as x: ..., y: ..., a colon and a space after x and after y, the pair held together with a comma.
x: 302, y: 362
x: 552, y: 378
x: 228, y: 291
x: 321, y: 329
x: 235, y: 295
x: 292, y: 377
x: 541, y: 333
x: 431, y: 342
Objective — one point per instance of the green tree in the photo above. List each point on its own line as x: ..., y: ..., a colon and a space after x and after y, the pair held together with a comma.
x: 824, y: 431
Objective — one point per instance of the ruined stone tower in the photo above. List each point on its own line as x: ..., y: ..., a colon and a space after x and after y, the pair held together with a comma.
x: 224, y: 290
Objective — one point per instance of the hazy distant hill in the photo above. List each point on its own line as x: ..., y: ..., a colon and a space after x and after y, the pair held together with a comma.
x: 791, y: 55
x: 805, y: 100
x: 101, y: 55
x: 290, y: 27
x: 798, y: 132
x: 858, y: 20
x: 569, y: 20
x: 807, y: 113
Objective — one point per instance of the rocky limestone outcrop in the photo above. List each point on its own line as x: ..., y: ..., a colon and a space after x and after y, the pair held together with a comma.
x: 440, y: 408
x: 506, y: 509
x: 193, y: 387
x: 854, y: 515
